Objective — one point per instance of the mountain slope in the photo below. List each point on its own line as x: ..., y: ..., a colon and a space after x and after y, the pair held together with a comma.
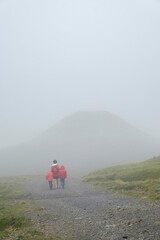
x: 83, y: 142
x: 141, y: 179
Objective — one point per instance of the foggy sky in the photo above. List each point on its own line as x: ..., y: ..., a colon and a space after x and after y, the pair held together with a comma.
x: 60, y: 57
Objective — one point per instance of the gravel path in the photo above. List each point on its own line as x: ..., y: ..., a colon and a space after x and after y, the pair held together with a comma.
x: 79, y: 212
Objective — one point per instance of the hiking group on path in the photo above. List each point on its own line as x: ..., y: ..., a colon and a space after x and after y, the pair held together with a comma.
x: 56, y: 173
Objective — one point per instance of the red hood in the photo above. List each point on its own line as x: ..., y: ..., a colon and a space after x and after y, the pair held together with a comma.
x: 62, y: 167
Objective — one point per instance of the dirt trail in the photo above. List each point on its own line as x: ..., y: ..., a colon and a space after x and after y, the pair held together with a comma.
x: 81, y: 212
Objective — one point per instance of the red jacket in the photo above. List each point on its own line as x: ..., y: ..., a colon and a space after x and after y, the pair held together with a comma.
x: 55, y: 170
x: 49, y: 176
x: 62, y: 172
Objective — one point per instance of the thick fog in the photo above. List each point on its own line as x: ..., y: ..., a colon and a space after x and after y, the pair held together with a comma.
x: 61, y: 57
x: 83, y: 142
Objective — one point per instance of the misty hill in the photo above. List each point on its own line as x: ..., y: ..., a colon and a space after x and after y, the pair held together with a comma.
x: 82, y: 142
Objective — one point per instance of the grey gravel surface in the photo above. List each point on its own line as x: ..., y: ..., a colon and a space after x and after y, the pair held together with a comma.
x: 81, y: 212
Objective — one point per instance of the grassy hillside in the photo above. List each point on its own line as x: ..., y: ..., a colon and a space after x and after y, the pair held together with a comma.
x: 141, y: 179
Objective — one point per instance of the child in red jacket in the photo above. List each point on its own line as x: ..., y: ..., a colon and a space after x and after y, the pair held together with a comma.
x: 49, y: 177
x: 62, y: 175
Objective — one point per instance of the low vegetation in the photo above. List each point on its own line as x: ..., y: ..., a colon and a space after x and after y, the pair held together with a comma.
x: 141, y: 179
x: 17, y: 212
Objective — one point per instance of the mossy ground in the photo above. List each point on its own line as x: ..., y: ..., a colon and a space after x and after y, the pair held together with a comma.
x: 17, y: 212
x: 141, y: 179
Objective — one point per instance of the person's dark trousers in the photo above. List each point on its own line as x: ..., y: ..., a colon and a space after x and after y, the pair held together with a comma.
x: 62, y: 182
x: 50, y: 184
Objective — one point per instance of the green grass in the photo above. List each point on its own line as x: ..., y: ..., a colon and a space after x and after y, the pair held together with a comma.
x: 14, y: 222
x: 15, y: 207
x: 140, y: 179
